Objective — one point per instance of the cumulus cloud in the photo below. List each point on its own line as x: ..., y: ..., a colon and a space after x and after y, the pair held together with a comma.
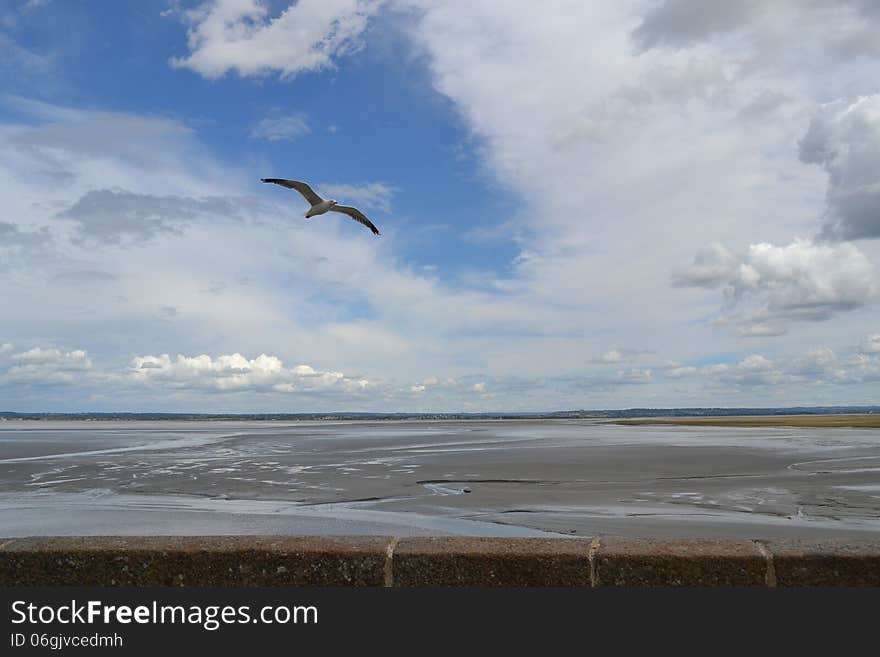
x: 844, y: 139
x: 752, y: 370
x: 631, y: 377
x: 48, y: 366
x: 652, y: 144
x: 818, y: 366
x: 769, y: 284
x: 620, y: 355
x: 713, y: 266
x: 613, y: 356
x: 235, y: 373
x: 241, y: 36
x: 871, y: 344
x: 469, y: 387
x: 680, y: 372
x: 281, y: 128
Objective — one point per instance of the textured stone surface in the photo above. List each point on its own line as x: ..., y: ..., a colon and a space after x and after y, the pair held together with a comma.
x: 671, y: 562
x: 193, y: 561
x: 825, y: 562
x: 440, y: 561
x: 455, y: 561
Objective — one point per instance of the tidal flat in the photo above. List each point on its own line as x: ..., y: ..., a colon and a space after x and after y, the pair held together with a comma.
x: 583, y: 477
x: 850, y: 420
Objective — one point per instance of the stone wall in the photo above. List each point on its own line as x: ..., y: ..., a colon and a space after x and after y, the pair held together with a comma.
x: 433, y: 561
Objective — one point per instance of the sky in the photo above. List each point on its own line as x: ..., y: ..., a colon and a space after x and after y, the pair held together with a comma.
x: 655, y: 203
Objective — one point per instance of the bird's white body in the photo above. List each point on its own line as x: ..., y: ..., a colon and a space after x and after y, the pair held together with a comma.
x: 320, y: 208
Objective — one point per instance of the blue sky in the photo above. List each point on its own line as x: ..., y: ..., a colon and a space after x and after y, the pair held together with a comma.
x: 375, y: 119
x: 655, y: 203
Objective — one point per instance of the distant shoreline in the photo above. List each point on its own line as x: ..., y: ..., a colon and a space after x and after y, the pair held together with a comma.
x: 855, y: 421
x: 782, y: 416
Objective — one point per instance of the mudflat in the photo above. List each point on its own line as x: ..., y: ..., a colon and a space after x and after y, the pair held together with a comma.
x: 865, y: 420
x: 581, y: 477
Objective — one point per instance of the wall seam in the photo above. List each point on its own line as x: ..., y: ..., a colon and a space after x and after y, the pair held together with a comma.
x: 770, y: 572
x: 389, y: 562
x: 591, y: 555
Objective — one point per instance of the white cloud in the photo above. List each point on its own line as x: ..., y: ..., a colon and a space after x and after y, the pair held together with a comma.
x: 77, y: 151
x: 281, y: 128
x: 613, y: 356
x: 754, y: 370
x: 621, y: 161
x: 634, y: 376
x: 620, y: 355
x: 817, y: 367
x: 871, y: 344
x: 235, y: 373
x: 23, y: 59
x: 48, y: 366
x: 240, y: 35
x: 679, y: 372
x: 370, y: 195
x: 769, y: 286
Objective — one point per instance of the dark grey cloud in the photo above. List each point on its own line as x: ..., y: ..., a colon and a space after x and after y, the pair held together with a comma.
x: 83, y: 277
x: 124, y: 217
x: 844, y: 139
x: 868, y: 8
x: 169, y: 312
x: 713, y: 266
x: 12, y: 235
x: 680, y: 23
x: 842, y: 29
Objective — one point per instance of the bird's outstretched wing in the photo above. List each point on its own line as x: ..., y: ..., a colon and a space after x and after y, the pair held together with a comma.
x: 307, y: 192
x: 357, y: 215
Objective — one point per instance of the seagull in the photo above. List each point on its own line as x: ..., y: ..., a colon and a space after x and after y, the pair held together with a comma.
x: 319, y: 205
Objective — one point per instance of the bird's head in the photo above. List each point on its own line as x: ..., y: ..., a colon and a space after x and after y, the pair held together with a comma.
x: 332, y: 202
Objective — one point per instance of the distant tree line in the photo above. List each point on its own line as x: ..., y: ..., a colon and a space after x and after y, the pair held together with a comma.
x: 580, y: 414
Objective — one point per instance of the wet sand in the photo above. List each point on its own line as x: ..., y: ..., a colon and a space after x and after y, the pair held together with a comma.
x: 854, y: 420
x: 492, y: 478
